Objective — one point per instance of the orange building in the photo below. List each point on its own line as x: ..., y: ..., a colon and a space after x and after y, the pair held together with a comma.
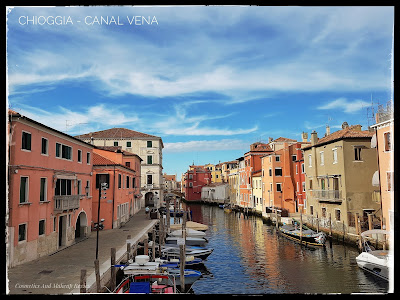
x: 383, y: 142
x: 121, y: 171
x: 49, y: 189
x: 252, y: 164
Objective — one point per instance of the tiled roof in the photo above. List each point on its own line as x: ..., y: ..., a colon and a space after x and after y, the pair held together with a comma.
x: 101, y: 160
x: 347, y: 133
x: 282, y: 139
x: 116, y: 133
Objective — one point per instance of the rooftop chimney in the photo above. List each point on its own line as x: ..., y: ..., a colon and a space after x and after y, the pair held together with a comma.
x: 328, y: 130
x: 314, y: 138
x: 356, y: 127
x: 304, y: 136
x: 345, y: 125
x: 270, y: 139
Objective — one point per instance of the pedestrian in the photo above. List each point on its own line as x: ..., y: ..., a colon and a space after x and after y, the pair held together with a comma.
x: 147, y: 211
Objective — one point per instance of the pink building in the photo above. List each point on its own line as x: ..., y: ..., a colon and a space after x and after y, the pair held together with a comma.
x: 121, y: 171
x: 196, y: 177
x: 49, y: 189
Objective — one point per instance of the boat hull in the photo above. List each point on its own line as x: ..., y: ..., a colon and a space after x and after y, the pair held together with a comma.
x: 308, y: 238
x: 374, y: 265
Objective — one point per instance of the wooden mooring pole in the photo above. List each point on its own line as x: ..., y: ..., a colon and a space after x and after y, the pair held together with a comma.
x: 113, y: 269
x: 330, y: 230
x: 301, y: 228
x: 182, y: 255
x: 97, y: 273
x: 82, y: 288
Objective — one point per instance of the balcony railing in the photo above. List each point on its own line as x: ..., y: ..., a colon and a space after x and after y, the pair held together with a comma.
x: 65, y: 202
x: 328, y: 195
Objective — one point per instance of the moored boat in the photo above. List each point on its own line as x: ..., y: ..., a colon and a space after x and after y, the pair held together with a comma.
x: 371, y: 260
x: 173, y: 251
x: 306, y: 236
x: 190, y: 241
x: 189, y: 232
x: 191, y: 225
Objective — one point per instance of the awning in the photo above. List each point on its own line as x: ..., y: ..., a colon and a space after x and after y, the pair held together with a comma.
x: 375, y: 179
x: 373, y: 141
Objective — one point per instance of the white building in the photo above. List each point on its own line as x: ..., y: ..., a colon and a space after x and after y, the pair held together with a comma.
x: 215, y: 192
x: 148, y: 147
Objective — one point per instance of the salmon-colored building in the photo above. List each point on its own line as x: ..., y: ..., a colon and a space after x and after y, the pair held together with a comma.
x: 384, y: 176
x: 49, y: 189
x: 252, y: 164
x: 121, y: 171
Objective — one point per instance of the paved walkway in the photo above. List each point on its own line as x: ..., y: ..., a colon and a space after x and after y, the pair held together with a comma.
x: 59, y: 273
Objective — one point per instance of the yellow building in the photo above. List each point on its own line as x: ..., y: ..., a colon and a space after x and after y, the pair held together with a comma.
x: 257, y: 197
x: 216, y: 172
x: 233, y: 180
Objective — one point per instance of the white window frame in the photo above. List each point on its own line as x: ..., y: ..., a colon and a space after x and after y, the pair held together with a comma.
x: 22, y: 134
x: 45, y: 189
x: 334, y: 156
x: 322, y: 158
x: 44, y: 229
x: 26, y: 190
x: 77, y: 156
x: 310, y: 160
x: 47, y: 146
x: 60, y: 153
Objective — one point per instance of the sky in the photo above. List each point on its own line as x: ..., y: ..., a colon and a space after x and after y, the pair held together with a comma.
x: 208, y: 80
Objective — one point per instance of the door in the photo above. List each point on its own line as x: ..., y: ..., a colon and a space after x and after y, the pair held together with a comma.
x: 60, y: 230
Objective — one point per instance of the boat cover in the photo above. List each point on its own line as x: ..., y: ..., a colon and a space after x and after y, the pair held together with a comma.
x: 139, y: 287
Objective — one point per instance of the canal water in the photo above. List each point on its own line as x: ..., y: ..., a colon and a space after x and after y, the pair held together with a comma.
x: 252, y: 258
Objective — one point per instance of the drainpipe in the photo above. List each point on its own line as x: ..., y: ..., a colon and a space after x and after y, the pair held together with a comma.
x: 112, y: 217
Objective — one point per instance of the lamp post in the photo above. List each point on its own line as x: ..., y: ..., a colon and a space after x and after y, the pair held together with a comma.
x: 103, y: 187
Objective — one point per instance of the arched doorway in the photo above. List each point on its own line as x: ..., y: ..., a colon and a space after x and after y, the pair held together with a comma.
x: 148, y: 199
x: 81, y: 225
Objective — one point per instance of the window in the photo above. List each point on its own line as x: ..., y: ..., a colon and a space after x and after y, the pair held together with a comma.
x: 128, y: 144
x: 270, y: 172
x: 279, y: 187
x: 309, y: 160
x: 43, y: 189
x: 41, y: 227
x: 388, y: 144
x: 63, y: 151
x: 310, y: 184
x: 45, y: 146
x: 389, y: 178
x: 21, y: 232
x: 149, y: 159
x: 294, y: 157
x: 63, y: 187
x: 26, y: 140
x: 88, y: 158
x: 311, y: 209
x: 87, y: 188
x: 119, y: 181
x: 116, y: 144
x: 278, y: 171
x: 79, y: 187
x: 297, y: 171
x: 128, y: 164
x: 133, y: 182
x: 302, y: 168
x: 357, y: 153
x: 337, y: 214
x: 322, y: 184
x: 190, y: 184
x: 334, y: 151
x: 54, y: 223
x: 79, y: 155
x: 304, y: 186
x: 127, y: 182
x: 149, y: 144
x: 149, y: 179
x: 277, y: 158
x: 101, y: 178
x: 23, y: 189
x: 321, y: 156
x: 323, y: 210
x: 190, y: 176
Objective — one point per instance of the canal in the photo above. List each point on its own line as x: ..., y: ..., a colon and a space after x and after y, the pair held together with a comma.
x: 252, y: 258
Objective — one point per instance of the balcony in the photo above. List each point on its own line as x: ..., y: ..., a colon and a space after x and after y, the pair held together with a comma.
x: 65, y: 202
x: 330, y: 196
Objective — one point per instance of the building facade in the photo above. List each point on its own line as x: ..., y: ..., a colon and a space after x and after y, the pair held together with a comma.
x: 121, y: 171
x: 49, y: 189
x: 384, y: 176
x: 148, y: 147
x: 196, y: 177
x: 339, y: 169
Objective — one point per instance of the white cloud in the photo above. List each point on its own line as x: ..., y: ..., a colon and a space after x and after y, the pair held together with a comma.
x: 345, y: 105
x: 205, y: 145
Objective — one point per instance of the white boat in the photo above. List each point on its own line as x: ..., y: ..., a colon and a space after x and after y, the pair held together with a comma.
x: 189, y: 232
x: 173, y: 251
x: 190, y: 241
x: 371, y: 260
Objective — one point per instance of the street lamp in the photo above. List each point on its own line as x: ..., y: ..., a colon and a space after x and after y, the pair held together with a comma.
x: 102, y: 189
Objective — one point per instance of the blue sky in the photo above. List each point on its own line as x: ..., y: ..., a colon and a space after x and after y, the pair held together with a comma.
x: 208, y: 80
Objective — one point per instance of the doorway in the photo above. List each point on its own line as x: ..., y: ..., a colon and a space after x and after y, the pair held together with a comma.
x: 62, y: 230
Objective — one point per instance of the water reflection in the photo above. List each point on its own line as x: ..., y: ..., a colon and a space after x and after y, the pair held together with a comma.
x: 252, y: 258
